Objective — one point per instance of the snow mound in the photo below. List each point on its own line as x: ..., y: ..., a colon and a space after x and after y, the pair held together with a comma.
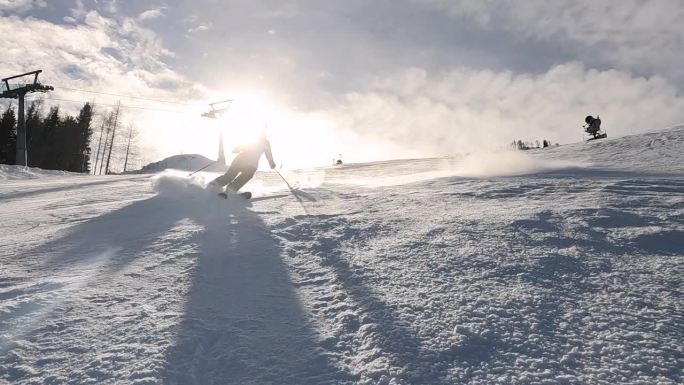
x: 11, y: 172
x: 189, y: 162
x: 654, y: 152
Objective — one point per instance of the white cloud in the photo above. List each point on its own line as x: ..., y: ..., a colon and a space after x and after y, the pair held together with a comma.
x: 151, y: 14
x: 200, y: 28
x: 345, y: 63
x: 641, y: 36
x: 78, y: 12
x: 450, y: 112
x: 18, y: 6
x: 110, y: 6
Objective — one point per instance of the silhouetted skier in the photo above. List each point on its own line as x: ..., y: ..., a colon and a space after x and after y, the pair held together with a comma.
x: 245, y: 164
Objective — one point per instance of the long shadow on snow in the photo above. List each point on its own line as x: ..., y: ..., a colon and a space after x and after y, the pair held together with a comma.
x: 100, y: 246
x: 115, y: 239
x: 382, y: 322
x: 243, y: 322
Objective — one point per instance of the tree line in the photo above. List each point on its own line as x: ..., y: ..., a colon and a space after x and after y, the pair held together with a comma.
x: 524, y: 145
x: 57, y: 141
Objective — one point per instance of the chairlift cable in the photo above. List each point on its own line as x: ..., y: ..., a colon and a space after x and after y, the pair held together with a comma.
x: 114, y: 105
x: 124, y: 96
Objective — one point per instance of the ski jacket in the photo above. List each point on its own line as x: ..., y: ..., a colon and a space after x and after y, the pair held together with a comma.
x: 250, y: 154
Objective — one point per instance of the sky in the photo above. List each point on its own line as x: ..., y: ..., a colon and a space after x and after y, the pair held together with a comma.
x: 369, y: 80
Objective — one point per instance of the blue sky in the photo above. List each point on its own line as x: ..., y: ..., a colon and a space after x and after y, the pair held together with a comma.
x: 370, y: 79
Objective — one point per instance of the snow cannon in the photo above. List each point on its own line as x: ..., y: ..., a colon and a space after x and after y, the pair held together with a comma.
x: 593, y: 128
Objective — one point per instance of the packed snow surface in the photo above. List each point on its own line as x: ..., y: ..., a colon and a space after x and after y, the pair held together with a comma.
x: 554, y: 266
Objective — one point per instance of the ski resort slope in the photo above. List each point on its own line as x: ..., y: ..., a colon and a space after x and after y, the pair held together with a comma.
x: 554, y: 266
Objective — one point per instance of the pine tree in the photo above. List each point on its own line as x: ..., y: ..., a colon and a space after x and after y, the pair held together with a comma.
x: 65, y: 145
x: 8, y: 136
x: 85, y: 117
x: 49, y: 143
x: 34, y: 133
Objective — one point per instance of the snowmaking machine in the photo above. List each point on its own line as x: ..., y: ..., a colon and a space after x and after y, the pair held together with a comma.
x: 593, y: 128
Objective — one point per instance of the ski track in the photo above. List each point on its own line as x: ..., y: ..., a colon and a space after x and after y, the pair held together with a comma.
x: 564, y: 277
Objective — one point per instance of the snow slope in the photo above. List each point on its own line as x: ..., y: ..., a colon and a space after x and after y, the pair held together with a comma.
x: 8, y: 172
x: 189, y: 162
x: 565, y: 270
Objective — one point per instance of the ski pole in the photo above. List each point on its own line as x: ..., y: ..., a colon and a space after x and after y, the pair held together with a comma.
x: 293, y: 192
x: 195, y: 172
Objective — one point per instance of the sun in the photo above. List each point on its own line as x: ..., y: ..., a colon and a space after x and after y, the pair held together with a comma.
x: 298, y: 139
x: 246, y: 118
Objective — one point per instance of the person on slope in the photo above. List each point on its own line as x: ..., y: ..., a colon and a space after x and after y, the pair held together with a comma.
x: 245, y: 164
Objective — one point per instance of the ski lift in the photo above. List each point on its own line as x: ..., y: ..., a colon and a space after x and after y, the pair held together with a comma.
x: 593, y: 128
x: 216, y: 113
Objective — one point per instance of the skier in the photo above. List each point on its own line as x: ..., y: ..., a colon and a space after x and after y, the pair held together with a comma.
x: 244, y: 165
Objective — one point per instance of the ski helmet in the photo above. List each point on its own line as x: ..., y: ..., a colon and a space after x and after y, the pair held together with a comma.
x: 589, y: 119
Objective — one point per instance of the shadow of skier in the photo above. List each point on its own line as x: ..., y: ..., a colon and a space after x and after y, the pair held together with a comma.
x: 243, y: 322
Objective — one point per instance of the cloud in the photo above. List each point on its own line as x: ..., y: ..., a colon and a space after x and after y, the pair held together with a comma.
x: 19, y: 6
x: 323, y: 50
x: 641, y: 36
x: 451, y: 112
x: 425, y: 77
x: 200, y: 28
x: 111, y: 6
x: 151, y: 14
x: 78, y: 12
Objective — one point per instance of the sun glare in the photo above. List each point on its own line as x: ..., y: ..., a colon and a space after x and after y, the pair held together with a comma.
x: 298, y: 139
x: 292, y: 134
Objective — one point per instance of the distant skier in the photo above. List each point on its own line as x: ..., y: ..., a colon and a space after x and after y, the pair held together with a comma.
x: 245, y: 164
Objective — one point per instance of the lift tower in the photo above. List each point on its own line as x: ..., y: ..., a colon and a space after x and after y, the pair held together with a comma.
x: 19, y: 92
x: 216, y: 113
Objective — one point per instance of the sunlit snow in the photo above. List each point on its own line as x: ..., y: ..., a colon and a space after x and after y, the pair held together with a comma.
x: 551, y: 266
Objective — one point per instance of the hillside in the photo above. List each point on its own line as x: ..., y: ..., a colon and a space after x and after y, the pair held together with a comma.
x: 554, y: 266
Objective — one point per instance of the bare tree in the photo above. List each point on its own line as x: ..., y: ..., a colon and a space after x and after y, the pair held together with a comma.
x: 108, y: 124
x: 99, y: 144
x: 112, y: 141
x: 131, y: 146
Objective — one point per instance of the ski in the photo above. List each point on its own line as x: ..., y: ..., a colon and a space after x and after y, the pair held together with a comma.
x: 245, y: 195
